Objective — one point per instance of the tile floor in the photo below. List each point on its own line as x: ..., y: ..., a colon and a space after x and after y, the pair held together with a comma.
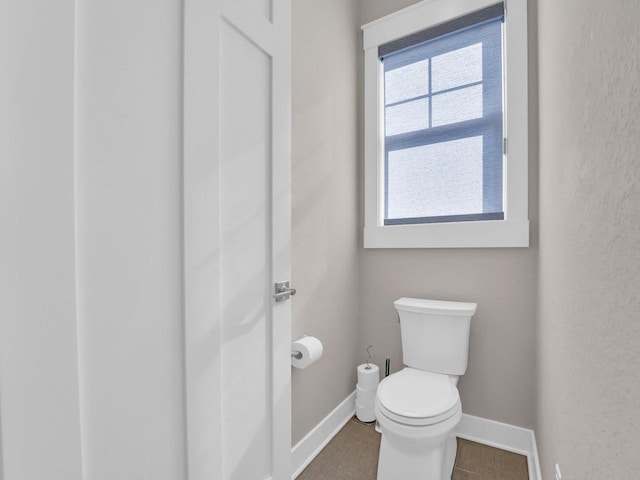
x: 476, y: 461
x: 353, y: 455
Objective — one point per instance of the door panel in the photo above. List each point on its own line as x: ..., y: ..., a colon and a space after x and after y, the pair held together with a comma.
x: 237, y: 238
x: 245, y: 241
x: 260, y: 7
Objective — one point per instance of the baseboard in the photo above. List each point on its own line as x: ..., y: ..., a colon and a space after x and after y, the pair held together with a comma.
x: 306, y: 449
x: 504, y: 436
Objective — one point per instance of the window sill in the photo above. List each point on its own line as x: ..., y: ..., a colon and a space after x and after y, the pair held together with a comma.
x: 487, y: 234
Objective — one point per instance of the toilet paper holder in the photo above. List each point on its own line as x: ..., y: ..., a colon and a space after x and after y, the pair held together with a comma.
x: 305, y: 351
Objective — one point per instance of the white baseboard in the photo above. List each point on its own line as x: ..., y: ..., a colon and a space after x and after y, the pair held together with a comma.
x: 310, y: 446
x: 489, y: 432
x: 503, y: 436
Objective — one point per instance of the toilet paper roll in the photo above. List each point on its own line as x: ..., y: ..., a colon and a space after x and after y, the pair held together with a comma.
x: 365, y: 414
x: 310, y: 348
x: 368, y: 379
x: 364, y: 397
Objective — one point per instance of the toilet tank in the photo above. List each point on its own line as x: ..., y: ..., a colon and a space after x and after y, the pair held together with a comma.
x: 435, y: 334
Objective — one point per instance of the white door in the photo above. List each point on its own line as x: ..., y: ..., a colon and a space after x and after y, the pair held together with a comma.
x: 237, y: 238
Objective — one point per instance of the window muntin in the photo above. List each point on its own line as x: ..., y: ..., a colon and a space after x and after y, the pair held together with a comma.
x: 443, y: 127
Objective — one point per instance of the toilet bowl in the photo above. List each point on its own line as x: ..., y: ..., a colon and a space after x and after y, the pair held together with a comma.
x: 417, y: 412
x: 418, y: 408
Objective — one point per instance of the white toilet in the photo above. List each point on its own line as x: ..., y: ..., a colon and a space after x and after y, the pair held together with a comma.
x: 418, y: 408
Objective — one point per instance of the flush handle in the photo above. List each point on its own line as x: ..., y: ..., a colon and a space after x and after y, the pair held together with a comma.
x: 283, y: 292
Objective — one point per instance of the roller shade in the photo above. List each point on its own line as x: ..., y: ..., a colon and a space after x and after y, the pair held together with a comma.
x: 443, y: 122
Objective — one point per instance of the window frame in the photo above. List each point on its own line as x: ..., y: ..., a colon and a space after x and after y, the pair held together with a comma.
x: 513, y: 230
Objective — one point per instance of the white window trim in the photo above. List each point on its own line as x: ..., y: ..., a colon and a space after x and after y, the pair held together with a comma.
x: 513, y: 231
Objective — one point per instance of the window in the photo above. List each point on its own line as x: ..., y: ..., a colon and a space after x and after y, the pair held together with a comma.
x: 440, y: 79
x: 443, y: 123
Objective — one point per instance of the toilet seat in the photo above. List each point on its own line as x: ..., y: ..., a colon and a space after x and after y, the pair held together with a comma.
x: 416, y: 397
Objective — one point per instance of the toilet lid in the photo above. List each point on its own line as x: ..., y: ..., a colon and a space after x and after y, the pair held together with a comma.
x: 416, y: 394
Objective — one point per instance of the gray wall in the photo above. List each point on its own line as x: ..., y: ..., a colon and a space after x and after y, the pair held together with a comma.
x: 589, y: 333
x: 325, y: 200
x: 345, y: 294
x: 373, y: 9
x: 499, y: 383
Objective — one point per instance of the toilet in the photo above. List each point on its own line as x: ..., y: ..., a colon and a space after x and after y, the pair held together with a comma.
x: 418, y: 408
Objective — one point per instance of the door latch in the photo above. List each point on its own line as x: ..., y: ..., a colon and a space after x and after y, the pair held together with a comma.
x: 283, y: 292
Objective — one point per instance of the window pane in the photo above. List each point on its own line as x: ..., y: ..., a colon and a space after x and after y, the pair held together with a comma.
x: 443, y: 152
x: 435, y: 180
x: 407, y: 117
x: 457, y: 68
x: 406, y: 82
x: 457, y: 105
